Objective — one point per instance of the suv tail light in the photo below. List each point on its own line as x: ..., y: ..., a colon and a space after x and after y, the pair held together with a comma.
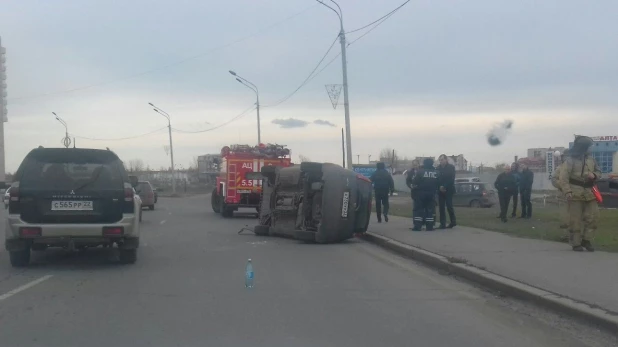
x: 14, y: 194
x: 484, y: 193
x: 14, y: 199
x: 129, y: 194
x: 128, y: 205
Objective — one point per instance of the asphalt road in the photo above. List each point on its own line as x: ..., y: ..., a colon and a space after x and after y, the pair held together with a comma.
x: 187, y: 289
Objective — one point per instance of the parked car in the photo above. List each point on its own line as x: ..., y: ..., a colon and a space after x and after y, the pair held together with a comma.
x: 6, y: 197
x: 147, y: 194
x: 474, y: 194
x: 73, y: 198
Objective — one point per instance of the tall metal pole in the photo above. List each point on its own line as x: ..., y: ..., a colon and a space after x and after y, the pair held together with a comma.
x: 343, y: 147
x: 255, y: 89
x: 258, y: 117
x: 344, y: 68
x: 346, y: 103
x: 169, y: 128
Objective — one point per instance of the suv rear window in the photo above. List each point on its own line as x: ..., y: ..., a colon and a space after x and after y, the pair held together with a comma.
x: 143, y: 187
x: 71, y: 169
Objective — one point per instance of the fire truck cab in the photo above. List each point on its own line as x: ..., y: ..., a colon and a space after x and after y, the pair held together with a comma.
x: 239, y: 183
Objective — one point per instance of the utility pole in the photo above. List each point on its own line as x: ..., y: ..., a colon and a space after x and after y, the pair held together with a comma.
x: 343, y: 147
x: 255, y: 89
x: 169, y: 128
x: 344, y: 67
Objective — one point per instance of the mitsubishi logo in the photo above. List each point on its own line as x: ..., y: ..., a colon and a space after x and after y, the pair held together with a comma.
x: 72, y: 192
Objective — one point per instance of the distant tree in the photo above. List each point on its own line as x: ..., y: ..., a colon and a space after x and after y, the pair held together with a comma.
x: 194, y: 164
x: 303, y: 158
x: 136, y: 165
x: 387, y: 155
x: 501, y: 166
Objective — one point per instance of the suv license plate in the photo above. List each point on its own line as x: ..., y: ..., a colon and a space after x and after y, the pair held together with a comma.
x: 71, y: 205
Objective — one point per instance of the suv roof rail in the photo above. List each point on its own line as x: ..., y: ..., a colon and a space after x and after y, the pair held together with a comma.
x: 40, y: 146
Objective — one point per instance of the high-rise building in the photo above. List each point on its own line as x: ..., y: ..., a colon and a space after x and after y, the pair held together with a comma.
x: 3, y: 111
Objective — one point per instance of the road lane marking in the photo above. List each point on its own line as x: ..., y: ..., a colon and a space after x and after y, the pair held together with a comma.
x: 24, y: 287
x: 162, y: 222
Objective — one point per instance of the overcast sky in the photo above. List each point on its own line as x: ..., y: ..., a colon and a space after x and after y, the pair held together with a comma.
x: 431, y: 79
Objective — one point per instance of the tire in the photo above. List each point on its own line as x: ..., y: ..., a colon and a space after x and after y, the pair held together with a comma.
x: 227, y: 212
x: 261, y: 230
x: 151, y: 207
x: 38, y: 247
x: 20, y: 258
x: 475, y: 204
x: 214, y: 201
x: 127, y: 256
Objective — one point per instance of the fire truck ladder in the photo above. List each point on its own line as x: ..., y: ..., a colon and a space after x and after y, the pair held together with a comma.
x: 231, y: 180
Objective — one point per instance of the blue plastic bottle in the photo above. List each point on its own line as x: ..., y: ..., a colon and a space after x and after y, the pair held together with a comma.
x: 249, y: 276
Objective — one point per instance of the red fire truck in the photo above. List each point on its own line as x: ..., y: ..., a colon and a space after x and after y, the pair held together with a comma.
x: 236, y: 187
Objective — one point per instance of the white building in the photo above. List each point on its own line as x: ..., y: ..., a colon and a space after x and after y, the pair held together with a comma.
x: 3, y: 111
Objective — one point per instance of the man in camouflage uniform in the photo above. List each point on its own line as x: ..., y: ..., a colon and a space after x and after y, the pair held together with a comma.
x: 577, y: 177
x: 564, y: 215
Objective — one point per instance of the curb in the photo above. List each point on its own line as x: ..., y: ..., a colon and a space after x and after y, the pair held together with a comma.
x: 553, y: 301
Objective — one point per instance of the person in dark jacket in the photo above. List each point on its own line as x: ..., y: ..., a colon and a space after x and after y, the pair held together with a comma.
x: 424, y: 188
x: 446, y: 178
x: 517, y: 175
x: 525, y: 189
x: 506, y: 185
x: 382, y: 185
x: 410, y: 177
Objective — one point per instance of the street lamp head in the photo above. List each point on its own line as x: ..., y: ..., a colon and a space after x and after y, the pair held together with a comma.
x: 239, y: 80
x: 54, y: 113
x: 232, y: 72
x: 150, y: 103
x: 157, y: 111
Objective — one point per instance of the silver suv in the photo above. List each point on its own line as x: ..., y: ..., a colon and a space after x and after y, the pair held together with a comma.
x: 72, y: 198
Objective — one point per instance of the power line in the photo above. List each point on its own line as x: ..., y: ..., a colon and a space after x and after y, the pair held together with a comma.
x: 118, y: 139
x: 308, y: 77
x: 178, y: 62
x: 370, y: 30
x: 240, y: 115
x: 379, y: 19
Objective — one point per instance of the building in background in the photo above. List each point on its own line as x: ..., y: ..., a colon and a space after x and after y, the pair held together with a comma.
x: 460, y: 163
x: 3, y: 112
x: 542, y: 152
x: 605, y: 152
x: 208, y: 167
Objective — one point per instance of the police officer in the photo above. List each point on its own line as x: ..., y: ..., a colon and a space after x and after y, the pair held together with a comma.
x: 424, y: 188
x: 382, y: 184
x: 577, y: 177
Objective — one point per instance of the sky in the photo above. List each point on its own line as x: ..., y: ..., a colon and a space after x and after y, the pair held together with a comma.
x: 432, y: 78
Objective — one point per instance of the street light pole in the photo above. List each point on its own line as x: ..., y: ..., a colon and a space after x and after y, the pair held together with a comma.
x: 344, y: 67
x: 66, y: 141
x: 169, y: 129
x: 255, y: 89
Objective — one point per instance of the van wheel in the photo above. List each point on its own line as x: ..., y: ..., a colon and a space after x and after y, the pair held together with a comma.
x: 127, y: 256
x: 20, y: 258
x: 151, y: 207
x: 475, y: 204
x: 227, y: 212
